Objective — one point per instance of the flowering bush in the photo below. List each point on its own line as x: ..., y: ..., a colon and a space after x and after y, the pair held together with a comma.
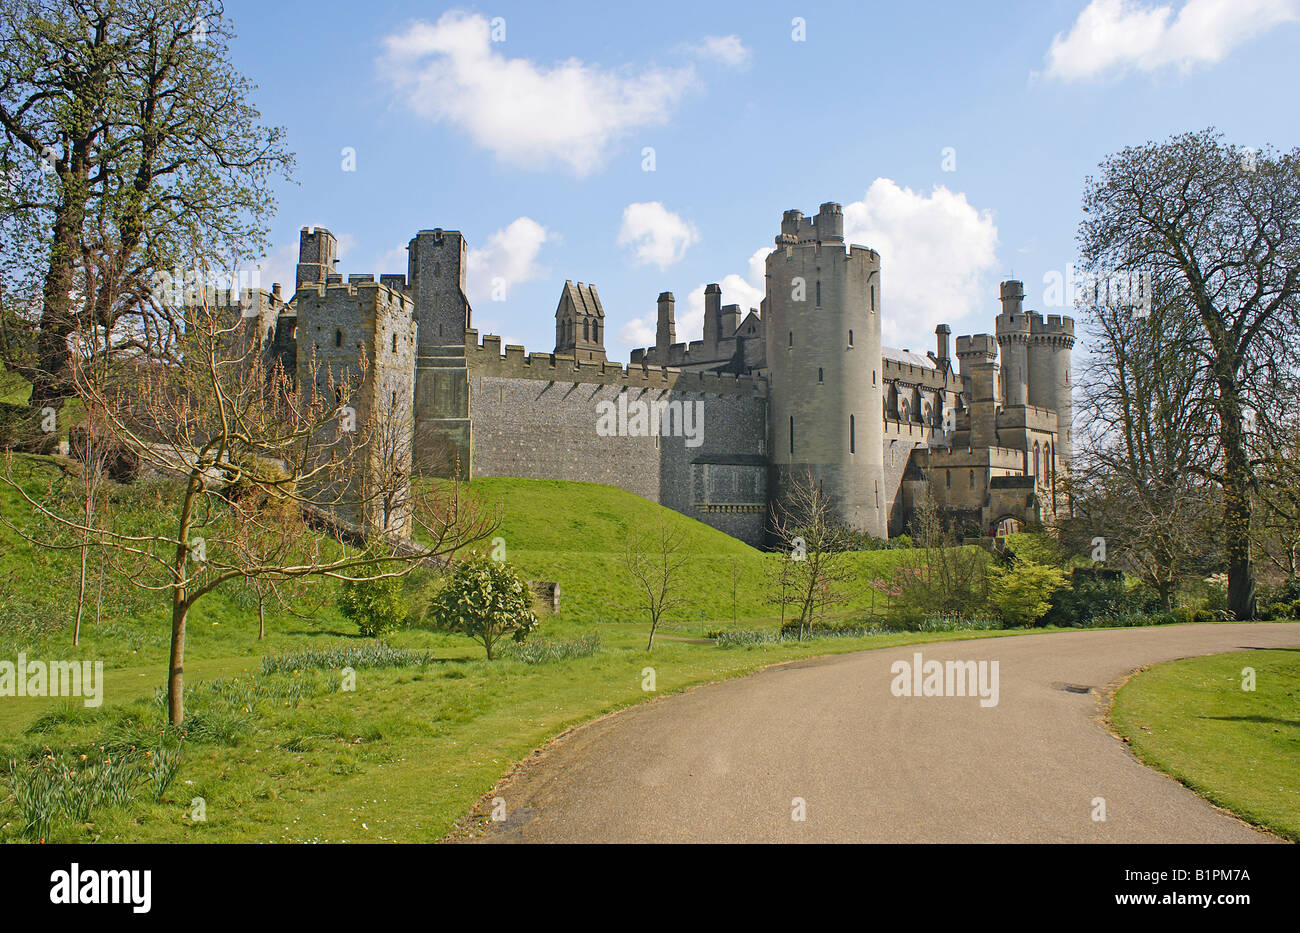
x: 486, y: 600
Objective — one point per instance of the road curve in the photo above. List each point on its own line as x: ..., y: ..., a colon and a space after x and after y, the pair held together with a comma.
x: 725, y: 762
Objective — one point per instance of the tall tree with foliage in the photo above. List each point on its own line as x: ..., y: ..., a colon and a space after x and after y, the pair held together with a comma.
x: 127, y: 141
x: 1216, y: 229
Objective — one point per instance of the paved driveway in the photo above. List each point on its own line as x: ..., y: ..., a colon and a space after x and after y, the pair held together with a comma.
x: 726, y: 762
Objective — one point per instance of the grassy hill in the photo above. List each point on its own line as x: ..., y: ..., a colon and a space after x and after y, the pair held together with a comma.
x: 576, y: 533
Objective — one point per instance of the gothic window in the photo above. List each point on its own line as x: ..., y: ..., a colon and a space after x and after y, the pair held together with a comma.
x: 586, y: 330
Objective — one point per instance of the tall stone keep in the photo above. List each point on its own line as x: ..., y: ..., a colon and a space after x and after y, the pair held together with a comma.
x: 824, y: 365
x: 436, y: 284
x: 436, y: 273
x: 1050, y: 342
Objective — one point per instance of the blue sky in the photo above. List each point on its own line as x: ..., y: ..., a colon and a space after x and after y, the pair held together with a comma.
x: 957, y: 135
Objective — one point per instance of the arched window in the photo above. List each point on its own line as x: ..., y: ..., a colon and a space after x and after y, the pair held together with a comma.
x: 820, y: 376
x: 338, y: 338
x: 791, y: 338
x: 1037, y: 464
x: 586, y: 330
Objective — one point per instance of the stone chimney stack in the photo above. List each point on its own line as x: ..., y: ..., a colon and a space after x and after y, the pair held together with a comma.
x: 666, y: 328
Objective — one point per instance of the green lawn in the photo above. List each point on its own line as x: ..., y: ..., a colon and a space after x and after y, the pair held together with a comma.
x: 412, y: 748
x: 1240, y: 749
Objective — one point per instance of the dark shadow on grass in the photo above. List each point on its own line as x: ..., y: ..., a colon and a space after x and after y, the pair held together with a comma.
x: 1264, y: 720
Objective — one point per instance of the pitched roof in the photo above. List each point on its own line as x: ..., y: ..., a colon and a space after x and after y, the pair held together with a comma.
x: 584, y: 298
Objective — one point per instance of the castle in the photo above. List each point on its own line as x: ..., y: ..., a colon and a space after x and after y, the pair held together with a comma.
x: 715, y: 428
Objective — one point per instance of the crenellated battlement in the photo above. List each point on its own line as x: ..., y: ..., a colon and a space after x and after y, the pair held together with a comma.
x: 490, y: 358
x: 357, y: 285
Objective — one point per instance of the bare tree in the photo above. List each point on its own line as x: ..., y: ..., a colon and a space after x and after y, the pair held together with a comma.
x: 93, y: 455
x: 1216, y: 229
x: 261, y: 462
x: 655, y: 561
x: 814, y: 545
x: 938, y: 574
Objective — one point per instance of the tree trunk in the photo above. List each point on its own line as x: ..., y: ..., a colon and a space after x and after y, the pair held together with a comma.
x: 176, y: 667
x: 1236, y: 496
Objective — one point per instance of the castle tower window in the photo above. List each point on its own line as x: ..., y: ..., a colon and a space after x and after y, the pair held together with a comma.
x: 853, y: 437
x: 948, y: 478
x: 792, y: 338
x: 820, y: 376
x: 851, y: 342
x: 338, y: 338
x: 972, y: 479
x: 394, y: 341
x: 792, y: 434
x: 819, y: 293
x: 586, y: 330
x: 873, y: 298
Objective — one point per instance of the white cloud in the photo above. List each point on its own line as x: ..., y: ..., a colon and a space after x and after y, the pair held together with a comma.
x: 1115, y: 36
x: 507, y: 258
x: 725, y: 50
x: 657, y: 235
x: 935, y: 250
x: 528, y: 115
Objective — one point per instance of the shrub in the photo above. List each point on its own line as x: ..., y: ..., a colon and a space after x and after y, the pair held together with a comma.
x: 1088, y: 596
x: 1022, y: 594
x: 486, y: 600
x: 374, y: 603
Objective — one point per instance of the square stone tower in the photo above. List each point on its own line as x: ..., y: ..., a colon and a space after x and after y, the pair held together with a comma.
x: 358, y: 340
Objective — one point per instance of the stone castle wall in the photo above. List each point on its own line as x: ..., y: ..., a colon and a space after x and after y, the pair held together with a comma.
x: 537, y: 416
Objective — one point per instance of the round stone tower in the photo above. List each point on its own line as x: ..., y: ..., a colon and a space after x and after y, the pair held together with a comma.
x: 1012, y: 328
x: 824, y: 366
x: 1049, y: 376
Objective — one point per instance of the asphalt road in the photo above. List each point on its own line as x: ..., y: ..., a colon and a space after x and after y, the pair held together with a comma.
x: 725, y: 762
